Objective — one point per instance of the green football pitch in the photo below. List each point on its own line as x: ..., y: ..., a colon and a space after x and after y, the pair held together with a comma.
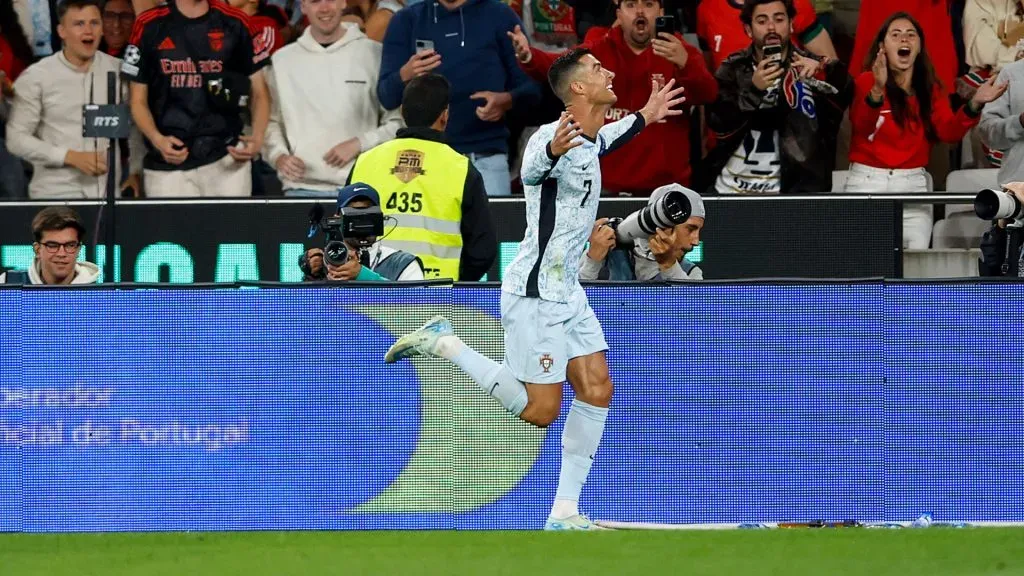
x: 931, y: 552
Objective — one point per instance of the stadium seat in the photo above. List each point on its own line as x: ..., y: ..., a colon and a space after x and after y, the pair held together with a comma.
x: 961, y: 228
x: 972, y: 180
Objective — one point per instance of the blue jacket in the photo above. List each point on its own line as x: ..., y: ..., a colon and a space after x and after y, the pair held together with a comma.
x: 476, y: 55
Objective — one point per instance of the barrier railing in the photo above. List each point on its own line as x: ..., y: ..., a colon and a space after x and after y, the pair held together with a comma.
x: 184, y: 241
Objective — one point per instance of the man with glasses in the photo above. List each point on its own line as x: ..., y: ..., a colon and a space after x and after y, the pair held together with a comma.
x: 118, y: 20
x: 58, y: 232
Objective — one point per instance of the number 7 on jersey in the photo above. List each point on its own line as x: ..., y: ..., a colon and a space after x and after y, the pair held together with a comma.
x: 587, y: 184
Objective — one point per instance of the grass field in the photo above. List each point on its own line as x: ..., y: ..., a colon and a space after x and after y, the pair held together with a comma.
x: 931, y: 552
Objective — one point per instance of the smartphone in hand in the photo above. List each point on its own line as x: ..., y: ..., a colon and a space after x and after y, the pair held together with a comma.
x: 424, y: 46
x: 773, y: 53
x: 665, y: 24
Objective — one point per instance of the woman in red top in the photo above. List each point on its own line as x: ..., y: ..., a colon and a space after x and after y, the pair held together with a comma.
x: 899, y: 109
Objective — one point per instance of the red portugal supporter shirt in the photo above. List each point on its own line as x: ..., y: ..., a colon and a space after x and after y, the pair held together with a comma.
x: 877, y: 140
x: 176, y: 57
x: 721, y: 32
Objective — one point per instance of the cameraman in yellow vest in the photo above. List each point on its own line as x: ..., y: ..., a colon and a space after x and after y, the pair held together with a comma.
x: 433, y: 192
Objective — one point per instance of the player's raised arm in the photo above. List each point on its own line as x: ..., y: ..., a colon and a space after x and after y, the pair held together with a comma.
x: 663, y: 103
x: 546, y: 146
x: 660, y: 105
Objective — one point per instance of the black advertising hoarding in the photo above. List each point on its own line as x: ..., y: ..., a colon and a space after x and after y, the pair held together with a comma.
x: 232, y: 240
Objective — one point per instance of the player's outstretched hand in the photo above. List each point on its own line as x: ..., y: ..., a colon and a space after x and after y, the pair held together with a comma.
x: 565, y: 135
x: 663, y: 102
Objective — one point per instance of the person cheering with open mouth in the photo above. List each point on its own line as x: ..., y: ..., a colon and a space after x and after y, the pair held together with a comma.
x: 899, y: 110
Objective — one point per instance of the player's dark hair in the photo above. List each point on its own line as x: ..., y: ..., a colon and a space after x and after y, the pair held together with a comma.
x: 65, y: 5
x: 424, y: 100
x: 562, y: 71
x: 747, y: 12
x: 55, y: 219
x: 922, y: 80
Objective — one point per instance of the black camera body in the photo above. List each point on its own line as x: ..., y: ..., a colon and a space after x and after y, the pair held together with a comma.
x: 358, y: 226
x: 361, y: 226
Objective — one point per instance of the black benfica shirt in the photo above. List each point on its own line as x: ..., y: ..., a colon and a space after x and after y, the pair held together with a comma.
x: 176, y: 57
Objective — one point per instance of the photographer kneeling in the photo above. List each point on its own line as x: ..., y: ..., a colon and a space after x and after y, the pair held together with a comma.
x: 1001, y: 245
x: 352, y: 251
x: 651, y: 242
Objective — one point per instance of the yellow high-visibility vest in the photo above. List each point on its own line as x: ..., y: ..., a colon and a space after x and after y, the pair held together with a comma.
x: 420, y: 183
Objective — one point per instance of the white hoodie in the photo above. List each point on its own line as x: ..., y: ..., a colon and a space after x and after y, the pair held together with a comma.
x: 982, y: 21
x: 322, y: 97
x: 85, y: 273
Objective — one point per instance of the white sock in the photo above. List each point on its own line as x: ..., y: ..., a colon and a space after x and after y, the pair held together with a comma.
x: 564, y: 509
x: 492, y: 377
x: 582, y: 434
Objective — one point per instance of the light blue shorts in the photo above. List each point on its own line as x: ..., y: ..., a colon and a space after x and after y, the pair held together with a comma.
x: 541, y: 336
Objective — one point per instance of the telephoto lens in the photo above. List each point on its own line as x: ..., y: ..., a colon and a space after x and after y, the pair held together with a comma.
x: 996, y: 205
x: 335, y: 253
x: 669, y: 207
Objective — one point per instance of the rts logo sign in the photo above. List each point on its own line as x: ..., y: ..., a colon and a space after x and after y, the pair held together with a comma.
x: 106, y: 121
x: 109, y: 121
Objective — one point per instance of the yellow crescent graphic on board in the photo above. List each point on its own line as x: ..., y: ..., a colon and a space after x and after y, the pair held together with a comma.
x: 470, y: 451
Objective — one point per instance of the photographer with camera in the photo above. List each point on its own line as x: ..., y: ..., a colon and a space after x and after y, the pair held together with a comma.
x: 1001, y: 245
x: 195, y: 66
x: 353, y: 251
x: 617, y: 253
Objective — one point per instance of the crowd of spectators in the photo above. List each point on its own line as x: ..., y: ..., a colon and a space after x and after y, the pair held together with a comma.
x: 262, y: 97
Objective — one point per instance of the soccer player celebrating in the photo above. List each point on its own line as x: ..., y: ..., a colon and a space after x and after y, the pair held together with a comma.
x: 550, y: 330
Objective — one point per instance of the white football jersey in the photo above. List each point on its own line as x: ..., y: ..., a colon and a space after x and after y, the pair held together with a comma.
x: 562, y: 195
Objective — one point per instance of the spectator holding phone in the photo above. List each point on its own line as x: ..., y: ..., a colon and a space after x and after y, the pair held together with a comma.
x: 464, y: 41
x: 645, y: 47
x: 721, y: 31
x: 777, y: 113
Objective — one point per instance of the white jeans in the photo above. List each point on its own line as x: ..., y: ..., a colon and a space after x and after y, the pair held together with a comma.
x: 223, y: 178
x: 917, y: 218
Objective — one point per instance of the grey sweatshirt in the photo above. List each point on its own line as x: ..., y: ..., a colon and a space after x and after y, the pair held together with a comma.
x: 46, y: 121
x: 1001, y: 126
